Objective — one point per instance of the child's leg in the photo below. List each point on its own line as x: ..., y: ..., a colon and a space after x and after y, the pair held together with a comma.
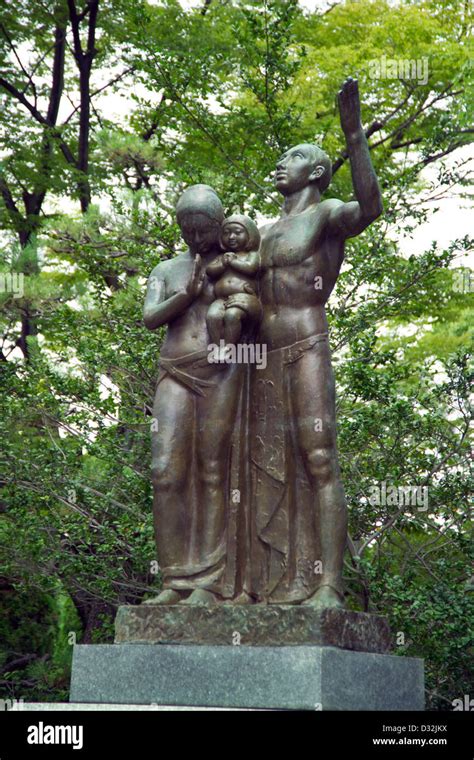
x: 233, y: 324
x: 215, y: 320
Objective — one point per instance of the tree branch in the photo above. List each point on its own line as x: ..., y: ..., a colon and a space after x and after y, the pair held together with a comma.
x: 66, y: 151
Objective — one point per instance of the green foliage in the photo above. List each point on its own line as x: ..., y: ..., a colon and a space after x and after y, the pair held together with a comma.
x: 36, y: 651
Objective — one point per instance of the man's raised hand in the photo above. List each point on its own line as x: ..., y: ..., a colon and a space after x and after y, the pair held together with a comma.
x: 349, y: 106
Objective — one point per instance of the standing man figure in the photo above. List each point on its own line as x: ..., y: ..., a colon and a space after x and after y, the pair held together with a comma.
x: 299, y: 510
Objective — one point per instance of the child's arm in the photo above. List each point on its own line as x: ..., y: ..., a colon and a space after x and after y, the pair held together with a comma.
x: 248, y: 265
x: 216, y: 267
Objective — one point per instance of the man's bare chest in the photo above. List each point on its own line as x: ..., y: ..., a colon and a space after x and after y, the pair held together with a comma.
x: 291, y: 241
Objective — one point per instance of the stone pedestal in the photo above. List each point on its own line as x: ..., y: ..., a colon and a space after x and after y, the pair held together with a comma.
x: 257, y: 625
x: 267, y: 657
x: 303, y: 677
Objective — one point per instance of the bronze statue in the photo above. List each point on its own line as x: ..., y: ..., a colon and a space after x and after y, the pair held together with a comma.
x: 267, y: 434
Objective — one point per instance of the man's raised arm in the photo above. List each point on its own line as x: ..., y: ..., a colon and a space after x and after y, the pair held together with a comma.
x: 350, y: 219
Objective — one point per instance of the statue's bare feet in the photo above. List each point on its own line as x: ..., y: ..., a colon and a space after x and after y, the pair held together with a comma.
x: 242, y: 598
x: 167, y: 596
x: 324, y: 597
x: 200, y: 596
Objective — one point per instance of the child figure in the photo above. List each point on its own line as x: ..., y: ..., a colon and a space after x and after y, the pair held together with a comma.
x: 236, y: 270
